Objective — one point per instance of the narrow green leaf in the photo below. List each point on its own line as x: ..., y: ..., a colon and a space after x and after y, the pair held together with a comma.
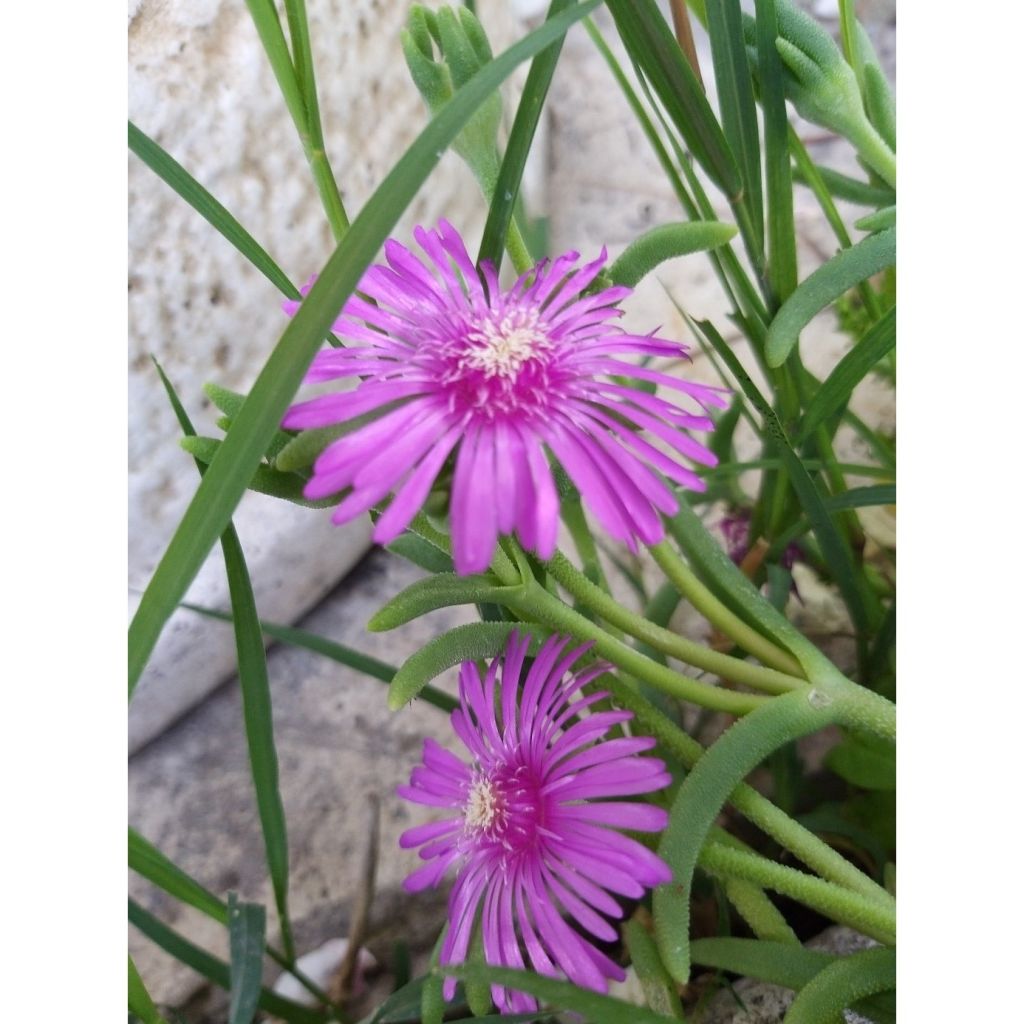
x: 167, y: 168
x: 422, y: 553
x: 256, y: 705
x: 844, y: 187
x: 463, y: 643
x: 213, y: 969
x: 877, y: 221
x: 221, y: 488
x: 762, y: 916
x: 520, y: 139
x: 247, y: 924
x: 435, y: 592
x: 834, y: 545
x: 846, y: 269
x: 841, y: 984
x: 665, y: 242
x: 139, y: 1001
x: 701, y: 797
x: 736, y: 103
x: 594, y: 1008
x: 336, y: 652
x: 154, y: 866
x: 782, y: 267
x: 879, y: 104
x: 836, y: 389
x: 651, y: 44
x: 659, y: 989
x: 230, y: 403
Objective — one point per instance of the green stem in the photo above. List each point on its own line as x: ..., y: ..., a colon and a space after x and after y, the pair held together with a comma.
x: 687, y: 651
x: 840, y: 904
x: 535, y: 604
x: 719, y: 615
x: 757, y: 809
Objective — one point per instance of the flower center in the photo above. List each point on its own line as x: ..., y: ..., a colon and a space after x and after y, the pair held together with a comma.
x: 499, y: 348
x: 484, y: 806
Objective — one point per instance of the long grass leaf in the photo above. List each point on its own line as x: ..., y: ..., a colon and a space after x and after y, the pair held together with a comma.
x: 256, y: 704
x: 216, y: 214
x: 140, y: 1003
x: 221, y: 488
x: 247, y: 923
x: 214, y: 969
x: 520, y: 139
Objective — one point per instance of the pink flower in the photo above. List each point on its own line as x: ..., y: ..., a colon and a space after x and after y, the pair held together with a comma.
x: 527, y: 843
x: 451, y: 365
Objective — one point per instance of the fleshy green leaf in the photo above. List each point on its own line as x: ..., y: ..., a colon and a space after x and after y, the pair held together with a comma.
x: 877, y: 221
x: 665, y: 242
x: 841, y: 984
x: 844, y: 187
x: 231, y: 470
x: 701, y: 797
x: 846, y: 269
x: 463, y: 643
x: 659, y: 988
x: 247, y: 924
x: 435, y: 592
x: 868, y: 764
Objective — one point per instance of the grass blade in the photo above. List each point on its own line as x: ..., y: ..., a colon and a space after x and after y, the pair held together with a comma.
x: 214, y: 969
x: 169, y: 170
x: 782, y: 268
x: 248, y: 924
x: 520, y: 139
x: 847, y: 268
x: 336, y: 652
x: 739, y: 113
x: 153, y: 865
x: 651, y: 44
x: 252, y: 430
x: 836, y: 389
x: 140, y: 1002
x: 256, y: 704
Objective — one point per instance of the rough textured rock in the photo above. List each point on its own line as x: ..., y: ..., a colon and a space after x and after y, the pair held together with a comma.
x: 200, y: 85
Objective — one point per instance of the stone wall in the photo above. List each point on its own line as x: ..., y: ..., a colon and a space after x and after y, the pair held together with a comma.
x: 200, y: 85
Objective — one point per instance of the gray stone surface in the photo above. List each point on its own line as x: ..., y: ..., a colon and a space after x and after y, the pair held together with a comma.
x: 200, y: 85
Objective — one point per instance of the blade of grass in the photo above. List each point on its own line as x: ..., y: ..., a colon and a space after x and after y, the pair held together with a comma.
x: 156, y: 867
x: 782, y: 268
x: 248, y: 924
x: 214, y: 969
x: 256, y: 704
x: 290, y: 81
x: 223, y: 485
x: 336, y: 652
x: 167, y: 168
x: 651, y: 44
x: 520, y: 139
x: 848, y: 373
x: 739, y: 115
x: 140, y: 1003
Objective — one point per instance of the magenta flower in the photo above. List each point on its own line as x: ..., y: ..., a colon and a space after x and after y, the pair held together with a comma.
x: 527, y: 843
x: 451, y: 365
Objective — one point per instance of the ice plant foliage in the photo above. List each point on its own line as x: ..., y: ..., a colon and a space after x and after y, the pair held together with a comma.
x: 451, y: 365
x: 528, y: 834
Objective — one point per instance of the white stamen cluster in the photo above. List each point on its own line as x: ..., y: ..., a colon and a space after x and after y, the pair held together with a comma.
x: 500, y: 348
x: 483, y: 806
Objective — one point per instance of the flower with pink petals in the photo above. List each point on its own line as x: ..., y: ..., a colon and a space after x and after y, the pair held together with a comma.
x: 529, y: 835
x: 451, y: 366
